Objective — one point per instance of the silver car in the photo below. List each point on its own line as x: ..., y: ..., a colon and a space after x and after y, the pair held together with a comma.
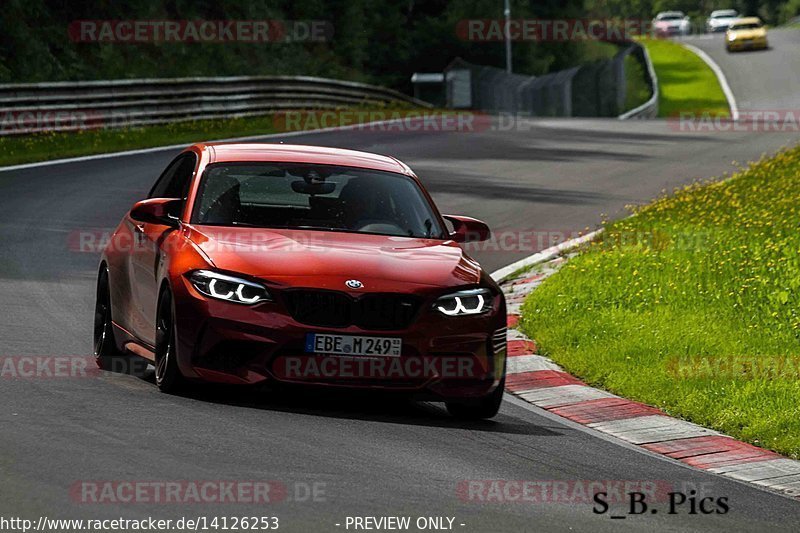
x: 720, y: 20
x: 669, y: 23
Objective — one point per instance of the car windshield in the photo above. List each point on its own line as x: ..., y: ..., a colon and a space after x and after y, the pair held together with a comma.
x: 670, y: 16
x: 724, y: 14
x: 314, y: 197
x: 746, y: 26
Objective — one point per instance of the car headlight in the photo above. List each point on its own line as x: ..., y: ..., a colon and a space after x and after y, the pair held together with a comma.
x: 467, y: 302
x: 229, y: 288
x: 731, y: 36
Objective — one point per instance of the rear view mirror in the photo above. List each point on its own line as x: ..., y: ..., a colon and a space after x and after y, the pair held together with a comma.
x: 164, y: 211
x: 468, y: 229
x: 312, y: 188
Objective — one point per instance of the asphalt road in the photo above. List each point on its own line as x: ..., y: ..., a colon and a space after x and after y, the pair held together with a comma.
x: 373, y: 456
x: 761, y: 80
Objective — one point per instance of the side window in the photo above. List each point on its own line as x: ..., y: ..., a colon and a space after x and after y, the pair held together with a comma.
x: 174, y: 182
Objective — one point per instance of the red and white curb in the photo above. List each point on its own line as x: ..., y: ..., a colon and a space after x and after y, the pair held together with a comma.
x: 539, y: 381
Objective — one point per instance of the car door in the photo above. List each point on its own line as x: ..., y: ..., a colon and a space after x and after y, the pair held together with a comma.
x: 147, y: 253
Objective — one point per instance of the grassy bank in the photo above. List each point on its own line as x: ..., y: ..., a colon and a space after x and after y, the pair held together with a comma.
x: 692, y: 305
x: 685, y: 82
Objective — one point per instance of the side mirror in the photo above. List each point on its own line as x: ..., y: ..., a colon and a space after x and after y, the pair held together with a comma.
x: 468, y: 229
x: 165, y: 211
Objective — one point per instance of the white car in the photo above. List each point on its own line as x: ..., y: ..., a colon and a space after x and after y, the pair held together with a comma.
x: 720, y: 20
x: 669, y: 23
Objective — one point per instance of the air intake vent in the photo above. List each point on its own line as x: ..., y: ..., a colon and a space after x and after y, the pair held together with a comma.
x: 320, y: 308
x: 338, y: 310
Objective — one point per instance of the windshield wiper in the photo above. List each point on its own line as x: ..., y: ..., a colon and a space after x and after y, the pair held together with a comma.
x: 319, y: 228
x: 249, y: 225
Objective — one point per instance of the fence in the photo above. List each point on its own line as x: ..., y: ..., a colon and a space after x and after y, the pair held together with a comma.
x: 648, y: 109
x: 599, y: 89
x: 68, y: 106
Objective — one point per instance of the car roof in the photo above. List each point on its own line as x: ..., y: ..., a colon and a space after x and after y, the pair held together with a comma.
x: 719, y: 12
x: 295, y: 153
x: 746, y: 20
x: 670, y: 14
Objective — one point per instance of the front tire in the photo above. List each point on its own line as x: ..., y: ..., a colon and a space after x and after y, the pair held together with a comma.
x: 168, y: 376
x: 106, y: 354
x: 481, y: 409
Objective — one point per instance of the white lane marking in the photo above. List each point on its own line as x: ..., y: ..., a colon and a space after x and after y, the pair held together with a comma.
x: 723, y: 81
x: 529, y: 363
x: 154, y: 149
x: 563, y: 395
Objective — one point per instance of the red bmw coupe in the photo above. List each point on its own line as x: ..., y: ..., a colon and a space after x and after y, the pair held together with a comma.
x: 250, y: 263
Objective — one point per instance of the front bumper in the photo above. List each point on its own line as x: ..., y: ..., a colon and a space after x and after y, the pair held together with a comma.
x: 747, y: 44
x: 441, y: 357
x: 670, y: 31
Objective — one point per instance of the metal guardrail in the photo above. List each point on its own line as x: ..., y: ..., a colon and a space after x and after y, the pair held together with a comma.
x: 649, y: 109
x: 593, y: 90
x: 68, y: 106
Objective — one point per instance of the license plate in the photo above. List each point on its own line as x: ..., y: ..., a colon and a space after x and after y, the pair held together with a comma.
x: 353, y: 345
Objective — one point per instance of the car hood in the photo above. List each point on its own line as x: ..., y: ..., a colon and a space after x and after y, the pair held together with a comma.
x: 322, y: 259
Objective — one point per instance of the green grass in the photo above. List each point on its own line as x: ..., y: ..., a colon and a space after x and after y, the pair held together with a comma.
x: 692, y: 305
x: 686, y: 84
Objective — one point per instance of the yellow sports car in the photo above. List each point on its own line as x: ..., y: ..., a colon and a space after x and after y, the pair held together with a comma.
x: 746, y: 33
